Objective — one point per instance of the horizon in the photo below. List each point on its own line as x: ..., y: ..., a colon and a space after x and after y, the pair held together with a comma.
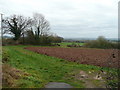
x: 76, y: 38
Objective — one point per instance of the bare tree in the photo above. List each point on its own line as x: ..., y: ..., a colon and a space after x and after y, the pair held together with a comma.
x: 16, y: 25
x: 40, y: 25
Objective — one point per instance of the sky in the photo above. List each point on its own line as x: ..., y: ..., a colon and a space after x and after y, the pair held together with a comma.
x: 70, y: 18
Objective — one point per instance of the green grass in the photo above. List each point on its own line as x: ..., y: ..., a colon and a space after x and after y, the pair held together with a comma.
x: 64, y: 44
x: 44, y: 69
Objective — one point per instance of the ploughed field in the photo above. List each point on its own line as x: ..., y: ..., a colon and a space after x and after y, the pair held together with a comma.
x: 98, y: 57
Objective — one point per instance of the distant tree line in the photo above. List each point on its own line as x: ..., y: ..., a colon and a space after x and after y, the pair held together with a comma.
x: 26, y: 30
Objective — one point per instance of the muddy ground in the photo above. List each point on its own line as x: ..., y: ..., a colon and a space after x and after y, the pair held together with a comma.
x: 98, y: 57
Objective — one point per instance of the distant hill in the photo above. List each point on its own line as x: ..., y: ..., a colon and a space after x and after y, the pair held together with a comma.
x: 84, y: 39
x: 80, y: 39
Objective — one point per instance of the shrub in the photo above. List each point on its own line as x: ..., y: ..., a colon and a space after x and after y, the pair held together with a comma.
x: 102, y: 43
x: 34, y: 39
x: 56, y: 39
x: 9, y: 41
x: 73, y: 45
x: 45, y: 40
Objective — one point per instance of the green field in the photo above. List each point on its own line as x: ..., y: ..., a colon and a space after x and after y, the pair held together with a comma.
x: 43, y: 69
x: 64, y: 44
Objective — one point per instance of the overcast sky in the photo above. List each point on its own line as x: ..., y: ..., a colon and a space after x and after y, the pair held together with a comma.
x: 70, y: 18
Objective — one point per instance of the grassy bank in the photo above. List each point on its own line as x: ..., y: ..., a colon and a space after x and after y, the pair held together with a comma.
x: 43, y: 69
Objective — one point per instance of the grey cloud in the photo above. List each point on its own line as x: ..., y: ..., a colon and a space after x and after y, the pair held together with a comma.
x: 70, y: 18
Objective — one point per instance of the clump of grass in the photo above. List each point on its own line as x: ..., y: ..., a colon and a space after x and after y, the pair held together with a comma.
x: 112, y: 79
x: 5, y: 56
x: 11, y: 75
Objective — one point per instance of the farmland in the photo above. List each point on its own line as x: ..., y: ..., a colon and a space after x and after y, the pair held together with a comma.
x: 41, y: 69
x: 98, y: 57
x: 59, y: 45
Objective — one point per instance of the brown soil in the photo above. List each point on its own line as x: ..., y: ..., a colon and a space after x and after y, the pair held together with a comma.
x: 98, y: 57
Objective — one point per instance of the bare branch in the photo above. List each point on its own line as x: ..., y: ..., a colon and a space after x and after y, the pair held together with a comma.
x: 41, y: 25
x: 16, y: 25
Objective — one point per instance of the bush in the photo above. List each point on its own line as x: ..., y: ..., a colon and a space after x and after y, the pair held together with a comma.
x: 10, y: 41
x: 73, y: 45
x: 112, y: 79
x: 45, y: 40
x: 55, y: 44
x: 56, y: 39
x: 102, y: 43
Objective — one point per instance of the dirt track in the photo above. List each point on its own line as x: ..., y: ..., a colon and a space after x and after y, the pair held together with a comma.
x: 98, y: 57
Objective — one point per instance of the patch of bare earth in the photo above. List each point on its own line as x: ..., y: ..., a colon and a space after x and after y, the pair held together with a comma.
x: 98, y: 57
x: 91, y: 79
